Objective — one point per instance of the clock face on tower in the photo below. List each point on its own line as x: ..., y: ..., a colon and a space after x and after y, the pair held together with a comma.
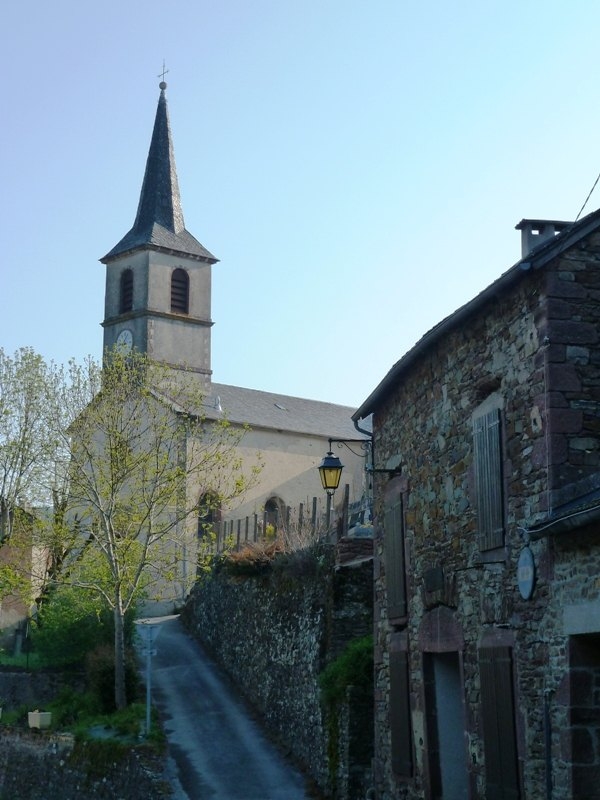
x: 125, y: 340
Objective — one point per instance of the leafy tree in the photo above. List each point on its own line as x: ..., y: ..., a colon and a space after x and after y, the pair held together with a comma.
x: 38, y: 403
x: 143, y: 457
x: 119, y: 464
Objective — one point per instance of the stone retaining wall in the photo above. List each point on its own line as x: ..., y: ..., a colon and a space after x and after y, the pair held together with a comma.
x: 48, y: 767
x: 273, y: 634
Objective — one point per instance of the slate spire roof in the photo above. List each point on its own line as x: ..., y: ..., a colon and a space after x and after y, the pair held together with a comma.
x: 159, y: 221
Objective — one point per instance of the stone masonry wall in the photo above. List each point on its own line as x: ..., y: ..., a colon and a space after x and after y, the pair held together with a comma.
x: 534, y: 351
x: 50, y: 767
x: 273, y: 634
x: 569, y: 325
x: 428, y: 425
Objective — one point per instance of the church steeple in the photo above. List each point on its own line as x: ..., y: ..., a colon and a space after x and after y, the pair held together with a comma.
x: 159, y: 219
x: 158, y: 277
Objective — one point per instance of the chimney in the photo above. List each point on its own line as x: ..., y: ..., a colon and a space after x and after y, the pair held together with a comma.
x: 535, y: 232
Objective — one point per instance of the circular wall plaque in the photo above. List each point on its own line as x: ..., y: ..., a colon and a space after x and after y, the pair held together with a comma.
x: 526, y: 573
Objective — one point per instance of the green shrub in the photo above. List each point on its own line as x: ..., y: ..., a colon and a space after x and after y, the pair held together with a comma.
x: 71, y: 624
x: 353, y: 667
x: 70, y: 707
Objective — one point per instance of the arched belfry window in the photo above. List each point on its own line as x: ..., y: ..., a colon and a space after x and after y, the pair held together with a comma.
x: 180, y: 291
x: 126, y: 294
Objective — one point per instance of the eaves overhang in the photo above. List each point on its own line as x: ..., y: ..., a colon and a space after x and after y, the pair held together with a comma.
x: 536, y: 259
x: 171, y: 251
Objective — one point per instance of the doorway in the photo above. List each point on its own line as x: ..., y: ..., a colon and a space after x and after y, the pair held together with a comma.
x: 584, y: 675
x: 445, y: 727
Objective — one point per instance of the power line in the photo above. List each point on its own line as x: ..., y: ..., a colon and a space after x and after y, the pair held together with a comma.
x: 587, y: 198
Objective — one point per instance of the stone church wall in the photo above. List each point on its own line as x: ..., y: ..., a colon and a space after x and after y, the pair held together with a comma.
x: 273, y: 634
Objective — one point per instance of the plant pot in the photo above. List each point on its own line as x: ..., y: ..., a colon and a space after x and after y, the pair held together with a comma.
x: 39, y: 719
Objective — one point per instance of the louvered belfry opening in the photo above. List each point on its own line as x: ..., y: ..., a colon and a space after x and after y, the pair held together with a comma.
x: 126, y: 297
x: 180, y: 285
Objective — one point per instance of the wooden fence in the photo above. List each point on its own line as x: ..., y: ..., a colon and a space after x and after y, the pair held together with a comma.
x: 304, y: 523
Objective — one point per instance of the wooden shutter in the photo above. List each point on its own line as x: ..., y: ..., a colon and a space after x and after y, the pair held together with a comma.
x: 400, y: 721
x: 393, y: 524
x: 488, y: 479
x: 498, y: 719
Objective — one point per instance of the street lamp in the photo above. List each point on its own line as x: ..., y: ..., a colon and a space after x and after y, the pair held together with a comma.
x: 330, y: 470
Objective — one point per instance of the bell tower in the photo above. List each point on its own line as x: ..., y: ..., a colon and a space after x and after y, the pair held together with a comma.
x: 158, y: 277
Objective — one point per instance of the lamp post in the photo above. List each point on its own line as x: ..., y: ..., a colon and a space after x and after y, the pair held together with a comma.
x: 148, y: 630
x: 330, y: 471
x: 330, y: 468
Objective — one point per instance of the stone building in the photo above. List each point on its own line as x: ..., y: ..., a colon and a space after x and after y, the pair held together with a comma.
x: 158, y: 301
x: 487, y: 596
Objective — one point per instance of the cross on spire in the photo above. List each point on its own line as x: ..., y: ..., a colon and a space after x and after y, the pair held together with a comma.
x: 163, y: 73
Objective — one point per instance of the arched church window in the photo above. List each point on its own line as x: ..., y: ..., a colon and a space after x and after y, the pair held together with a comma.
x: 180, y: 290
x: 275, y: 512
x: 209, y: 515
x: 126, y: 295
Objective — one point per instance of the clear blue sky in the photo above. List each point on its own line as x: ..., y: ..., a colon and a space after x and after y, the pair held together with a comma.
x: 357, y: 167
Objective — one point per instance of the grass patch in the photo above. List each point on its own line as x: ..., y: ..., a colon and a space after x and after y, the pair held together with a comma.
x: 81, y: 714
x: 24, y: 661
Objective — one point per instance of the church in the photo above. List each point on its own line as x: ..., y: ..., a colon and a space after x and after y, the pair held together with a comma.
x: 158, y: 301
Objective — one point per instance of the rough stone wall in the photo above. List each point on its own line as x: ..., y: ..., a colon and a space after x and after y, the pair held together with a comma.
x: 536, y: 350
x: 273, y: 634
x: 568, y: 323
x: 428, y: 425
x: 45, y: 767
x: 33, y: 689
x: 572, y: 679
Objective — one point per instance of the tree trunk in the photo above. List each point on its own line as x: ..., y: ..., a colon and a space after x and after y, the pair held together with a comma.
x: 120, y: 688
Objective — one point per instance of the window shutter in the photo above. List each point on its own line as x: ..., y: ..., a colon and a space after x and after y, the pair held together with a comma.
x: 400, y: 722
x: 498, y: 718
x: 488, y: 479
x: 179, y: 291
x: 393, y: 524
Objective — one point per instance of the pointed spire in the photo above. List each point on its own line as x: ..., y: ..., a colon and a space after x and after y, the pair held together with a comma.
x: 160, y: 201
x: 159, y: 219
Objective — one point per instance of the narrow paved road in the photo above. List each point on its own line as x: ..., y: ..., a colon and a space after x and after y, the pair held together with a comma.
x: 218, y: 752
